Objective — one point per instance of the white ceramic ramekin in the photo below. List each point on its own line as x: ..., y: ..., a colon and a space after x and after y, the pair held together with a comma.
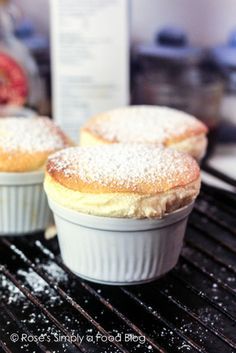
x: 118, y: 250
x: 23, y: 203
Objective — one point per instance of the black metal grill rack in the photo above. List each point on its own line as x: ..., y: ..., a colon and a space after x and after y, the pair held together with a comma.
x: 191, y: 309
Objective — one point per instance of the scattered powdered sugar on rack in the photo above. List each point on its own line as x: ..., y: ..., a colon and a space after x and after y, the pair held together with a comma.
x: 30, y: 135
x: 45, y: 250
x: 54, y: 271
x: 126, y: 165
x: 39, y: 284
x: 144, y: 124
x: 10, y: 293
x: 33, y: 280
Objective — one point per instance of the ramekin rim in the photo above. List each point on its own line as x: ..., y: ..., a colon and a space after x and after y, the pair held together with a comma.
x: 22, y: 178
x: 116, y: 223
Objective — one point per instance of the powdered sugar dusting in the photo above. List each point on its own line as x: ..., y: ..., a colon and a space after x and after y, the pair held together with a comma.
x: 125, y: 165
x: 144, y: 124
x: 30, y: 135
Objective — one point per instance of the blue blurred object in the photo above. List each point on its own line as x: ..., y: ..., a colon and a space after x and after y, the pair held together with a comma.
x: 36, y: 42
x: 24, y: 29
x: 225, y: 55
x: 171, y: 43
x: 232, y: 39
x: 171, y: 36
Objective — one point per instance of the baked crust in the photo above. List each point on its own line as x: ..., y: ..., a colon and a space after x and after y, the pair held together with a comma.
x: 26, y: 143
x: 122, y: 180
x: 143, y: 124
x: 132, y: 168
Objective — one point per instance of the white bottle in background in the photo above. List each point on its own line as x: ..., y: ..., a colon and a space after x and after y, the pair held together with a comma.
x: 90, y: 59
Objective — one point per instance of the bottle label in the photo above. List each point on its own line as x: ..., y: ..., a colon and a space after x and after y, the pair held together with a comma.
x: 90, y: 60
x: 13, y: 82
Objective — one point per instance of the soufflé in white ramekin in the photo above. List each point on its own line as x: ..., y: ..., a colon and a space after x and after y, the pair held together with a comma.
x: 25, y: 144
x: 156, y: 125
x: 121, y: 209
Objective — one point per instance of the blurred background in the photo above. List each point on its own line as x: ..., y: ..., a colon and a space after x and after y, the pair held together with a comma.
x: 208, y: 22
x: 179, y: 53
